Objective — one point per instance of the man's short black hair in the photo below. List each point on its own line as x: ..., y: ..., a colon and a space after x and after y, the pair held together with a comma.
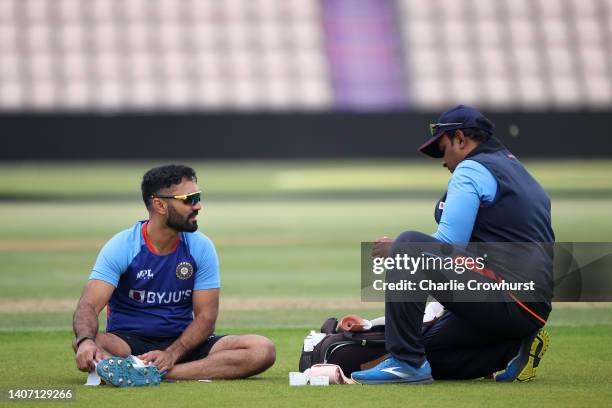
x: 163, y: 177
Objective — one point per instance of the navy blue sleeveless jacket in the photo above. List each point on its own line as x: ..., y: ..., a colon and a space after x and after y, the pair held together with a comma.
x: 520, y: 213
x: 521, y: 209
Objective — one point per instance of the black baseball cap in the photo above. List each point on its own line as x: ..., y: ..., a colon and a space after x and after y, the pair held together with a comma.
x: 459, y: 117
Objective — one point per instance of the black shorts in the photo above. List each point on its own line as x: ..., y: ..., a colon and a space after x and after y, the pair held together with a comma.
x: 142, y: 344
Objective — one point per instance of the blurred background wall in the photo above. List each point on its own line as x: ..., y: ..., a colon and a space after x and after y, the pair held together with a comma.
x: 115, y: 79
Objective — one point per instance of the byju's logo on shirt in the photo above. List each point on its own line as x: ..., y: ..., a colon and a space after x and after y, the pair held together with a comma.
x: 137, y: 295
x: 145, y: 274
x: 158, y: 298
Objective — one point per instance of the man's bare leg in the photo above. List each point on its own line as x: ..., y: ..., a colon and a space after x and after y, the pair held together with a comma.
x: 230, y: 357
x: 110, y: 345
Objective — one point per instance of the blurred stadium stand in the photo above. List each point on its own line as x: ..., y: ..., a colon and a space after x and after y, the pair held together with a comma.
x: 161, y: 54
x: 508, y: 54
x: 304, y: 54
x: 314, y: 68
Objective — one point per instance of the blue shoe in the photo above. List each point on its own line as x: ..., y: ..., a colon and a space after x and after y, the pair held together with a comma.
x: 523, y: 366
x: 394, y: 371
x: 128, y: 372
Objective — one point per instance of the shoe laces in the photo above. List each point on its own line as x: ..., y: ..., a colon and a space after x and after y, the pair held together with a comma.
x: 390, y: 361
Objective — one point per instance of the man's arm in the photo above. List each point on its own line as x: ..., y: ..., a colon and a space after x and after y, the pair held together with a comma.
x: 85, y: 322
x: 205, y: 310
x: 471, y: 184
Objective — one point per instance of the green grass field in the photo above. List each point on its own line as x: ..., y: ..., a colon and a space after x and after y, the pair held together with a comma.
x: 288, y: 238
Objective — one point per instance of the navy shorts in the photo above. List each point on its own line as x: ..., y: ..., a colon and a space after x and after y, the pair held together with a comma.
x: 142, y: 344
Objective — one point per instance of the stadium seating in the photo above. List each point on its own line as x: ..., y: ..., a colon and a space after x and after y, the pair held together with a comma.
x: 278, y: 55
x: 161, y: 54
x: 511, y: 54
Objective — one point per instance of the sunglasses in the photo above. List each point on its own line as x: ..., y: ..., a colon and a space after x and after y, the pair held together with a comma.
x: 433, y: 127
x: 191, y: 198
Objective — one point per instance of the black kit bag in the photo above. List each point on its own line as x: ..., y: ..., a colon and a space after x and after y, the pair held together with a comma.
x: 352, y: 351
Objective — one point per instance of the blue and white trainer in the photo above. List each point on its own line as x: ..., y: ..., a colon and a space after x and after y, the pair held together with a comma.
x: 394, y: 371
x: 524, y: 365
x: 128, y: 371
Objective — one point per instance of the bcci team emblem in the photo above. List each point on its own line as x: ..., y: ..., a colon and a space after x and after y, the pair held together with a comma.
x: 184, y: 270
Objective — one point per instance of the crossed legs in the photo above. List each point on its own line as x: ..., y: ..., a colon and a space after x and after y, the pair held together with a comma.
x: 230, y: 357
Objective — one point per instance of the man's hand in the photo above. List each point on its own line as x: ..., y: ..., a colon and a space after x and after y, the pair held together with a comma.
x: 87, y: 355
x: 164, y: 360
x: 382, y: 247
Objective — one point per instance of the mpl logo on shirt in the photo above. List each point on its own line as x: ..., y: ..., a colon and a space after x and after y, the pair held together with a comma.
x: 145, y: 274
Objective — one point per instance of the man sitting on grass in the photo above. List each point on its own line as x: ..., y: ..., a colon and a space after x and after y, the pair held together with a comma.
x: 492, y: 205
x: 160, y: 283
